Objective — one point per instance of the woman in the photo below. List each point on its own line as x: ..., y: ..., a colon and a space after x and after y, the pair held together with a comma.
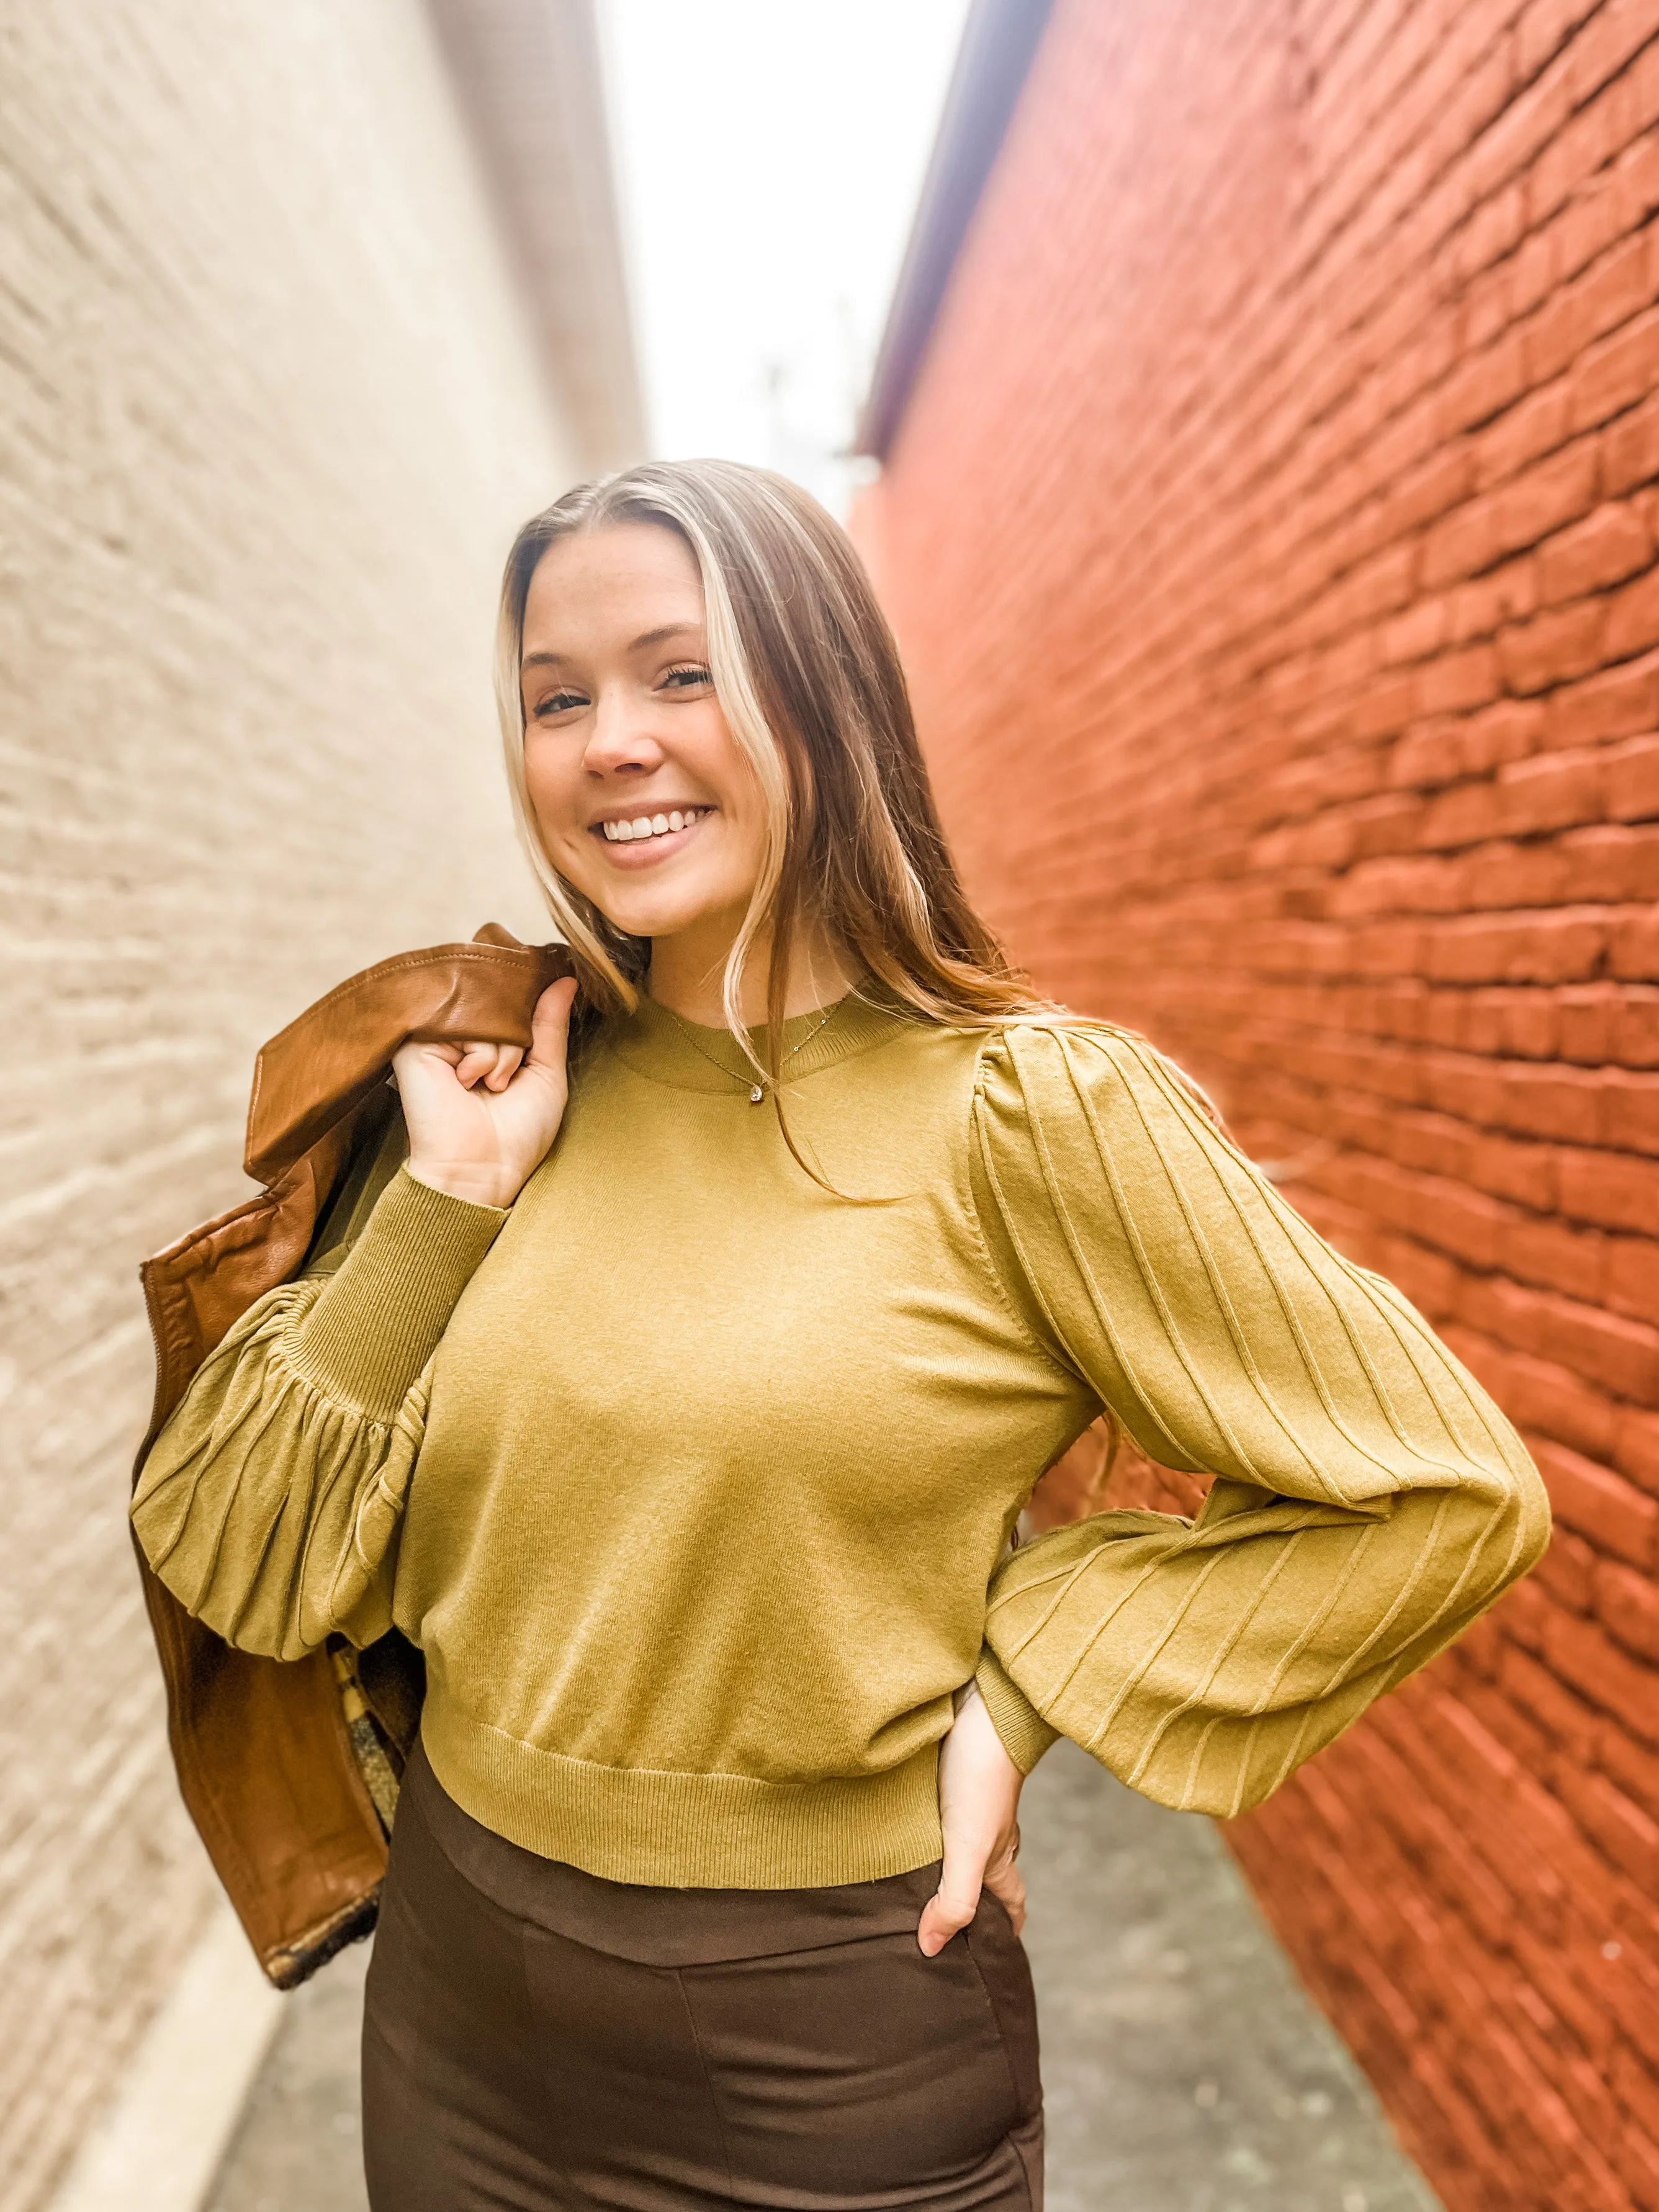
x: 683, y: 1417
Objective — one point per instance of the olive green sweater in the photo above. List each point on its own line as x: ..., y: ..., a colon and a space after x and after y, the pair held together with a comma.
x: 695, y: 1482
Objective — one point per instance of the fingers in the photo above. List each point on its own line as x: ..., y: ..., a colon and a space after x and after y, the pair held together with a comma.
x: 550, y: 1025
x: 952, y: 1905
x: 494, y: 1066
x: 477, y: 1064
x: 509, y: 1058
x: 409, y: 1059
x: 1004, y: 1880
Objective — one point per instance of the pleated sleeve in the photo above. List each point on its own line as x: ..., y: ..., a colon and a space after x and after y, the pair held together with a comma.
x: 1369, y: 1499
x: 270, y: 1503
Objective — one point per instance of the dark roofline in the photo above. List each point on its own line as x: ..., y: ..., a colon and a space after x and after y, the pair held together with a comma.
x: 999, y: 43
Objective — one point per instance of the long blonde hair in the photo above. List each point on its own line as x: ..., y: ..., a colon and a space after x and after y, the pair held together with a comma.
x: 807, y: 674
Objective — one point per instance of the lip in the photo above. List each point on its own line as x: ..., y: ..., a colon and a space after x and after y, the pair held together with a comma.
x: 646, y: 852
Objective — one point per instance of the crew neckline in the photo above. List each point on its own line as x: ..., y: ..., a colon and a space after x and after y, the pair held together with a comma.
x: 670, y: 1049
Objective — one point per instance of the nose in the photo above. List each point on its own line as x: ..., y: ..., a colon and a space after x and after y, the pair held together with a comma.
x: 620, y: 742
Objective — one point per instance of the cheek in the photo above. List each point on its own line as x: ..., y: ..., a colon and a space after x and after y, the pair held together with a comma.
x: 747, y: 845
x: 724, y: 770
x: 552, y: 801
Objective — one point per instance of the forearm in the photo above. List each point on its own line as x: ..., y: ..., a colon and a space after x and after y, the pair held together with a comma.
x: 1203, y: 1665
x: 379, y: 1316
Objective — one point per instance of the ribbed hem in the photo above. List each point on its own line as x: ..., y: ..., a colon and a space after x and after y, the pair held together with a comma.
x: 378, y: 1320
x: 687, y: 1831
x: 1025, y: 1734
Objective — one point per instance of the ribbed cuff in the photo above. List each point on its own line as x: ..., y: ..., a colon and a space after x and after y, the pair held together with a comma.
x: 378, y: 1320
x: 1025, y: 1734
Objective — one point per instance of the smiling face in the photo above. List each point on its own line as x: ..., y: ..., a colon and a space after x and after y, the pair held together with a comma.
x: 644, y: 800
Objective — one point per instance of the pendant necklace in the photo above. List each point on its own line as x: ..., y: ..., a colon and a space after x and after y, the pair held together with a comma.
x: 757, y: 1090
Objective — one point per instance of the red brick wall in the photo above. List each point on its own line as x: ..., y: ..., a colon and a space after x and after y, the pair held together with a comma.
x: 1271, y: 537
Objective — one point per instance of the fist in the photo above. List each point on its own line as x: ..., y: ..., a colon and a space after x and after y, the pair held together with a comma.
x: 482, y: 1117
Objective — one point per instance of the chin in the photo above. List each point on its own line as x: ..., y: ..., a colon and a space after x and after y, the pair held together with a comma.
x: 648, y: 917
x: 664, y: 909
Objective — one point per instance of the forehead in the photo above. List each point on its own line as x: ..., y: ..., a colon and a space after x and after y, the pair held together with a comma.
x: 628, y: 575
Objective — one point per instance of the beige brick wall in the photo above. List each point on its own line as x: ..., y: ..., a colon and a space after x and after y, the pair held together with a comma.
x: 269, y: 409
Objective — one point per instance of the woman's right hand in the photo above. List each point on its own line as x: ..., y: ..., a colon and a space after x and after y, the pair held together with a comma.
x: 482, y: 1117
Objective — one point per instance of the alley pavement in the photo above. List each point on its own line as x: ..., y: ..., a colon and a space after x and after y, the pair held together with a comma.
x: 1185, y: 2071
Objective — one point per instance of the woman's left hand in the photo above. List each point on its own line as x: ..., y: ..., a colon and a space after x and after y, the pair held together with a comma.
x: 979, y: 1788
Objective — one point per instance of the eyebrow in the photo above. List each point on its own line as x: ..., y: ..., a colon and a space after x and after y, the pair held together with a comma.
x: 646, y: 638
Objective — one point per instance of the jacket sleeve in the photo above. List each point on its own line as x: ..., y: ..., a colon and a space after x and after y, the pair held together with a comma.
x: 270, y: 1503
x: 1369, y: 1499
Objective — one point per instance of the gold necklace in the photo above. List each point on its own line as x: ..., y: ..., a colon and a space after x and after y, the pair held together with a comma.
x: 758, y: 1090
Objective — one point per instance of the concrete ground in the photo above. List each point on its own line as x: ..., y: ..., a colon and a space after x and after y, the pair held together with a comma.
x: 1185, y: 2071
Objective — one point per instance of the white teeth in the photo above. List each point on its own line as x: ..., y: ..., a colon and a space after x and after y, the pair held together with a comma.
x: 651, y: 825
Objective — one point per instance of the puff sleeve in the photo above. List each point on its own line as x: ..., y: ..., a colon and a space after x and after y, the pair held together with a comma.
x: 1369, y: 1499
x: 270, y: 1503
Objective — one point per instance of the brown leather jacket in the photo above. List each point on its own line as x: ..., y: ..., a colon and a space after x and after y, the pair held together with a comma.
x: 288, y: 1769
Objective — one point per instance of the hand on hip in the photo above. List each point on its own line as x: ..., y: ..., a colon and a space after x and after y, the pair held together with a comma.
x: 979, y: 1788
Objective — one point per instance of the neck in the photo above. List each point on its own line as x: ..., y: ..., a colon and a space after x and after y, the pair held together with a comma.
x: 688, y: 975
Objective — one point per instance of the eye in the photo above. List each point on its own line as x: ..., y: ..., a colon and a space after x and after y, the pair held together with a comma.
x: 685, y: 679
x: 557, y: 702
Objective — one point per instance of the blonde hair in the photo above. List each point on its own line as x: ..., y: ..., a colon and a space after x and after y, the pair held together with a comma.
x: 807, y: 674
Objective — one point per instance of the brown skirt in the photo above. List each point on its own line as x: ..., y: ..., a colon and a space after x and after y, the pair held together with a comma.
x: 535, y: 2038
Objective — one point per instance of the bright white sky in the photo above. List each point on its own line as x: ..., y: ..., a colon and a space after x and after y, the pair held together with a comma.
x: 769, y: 153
